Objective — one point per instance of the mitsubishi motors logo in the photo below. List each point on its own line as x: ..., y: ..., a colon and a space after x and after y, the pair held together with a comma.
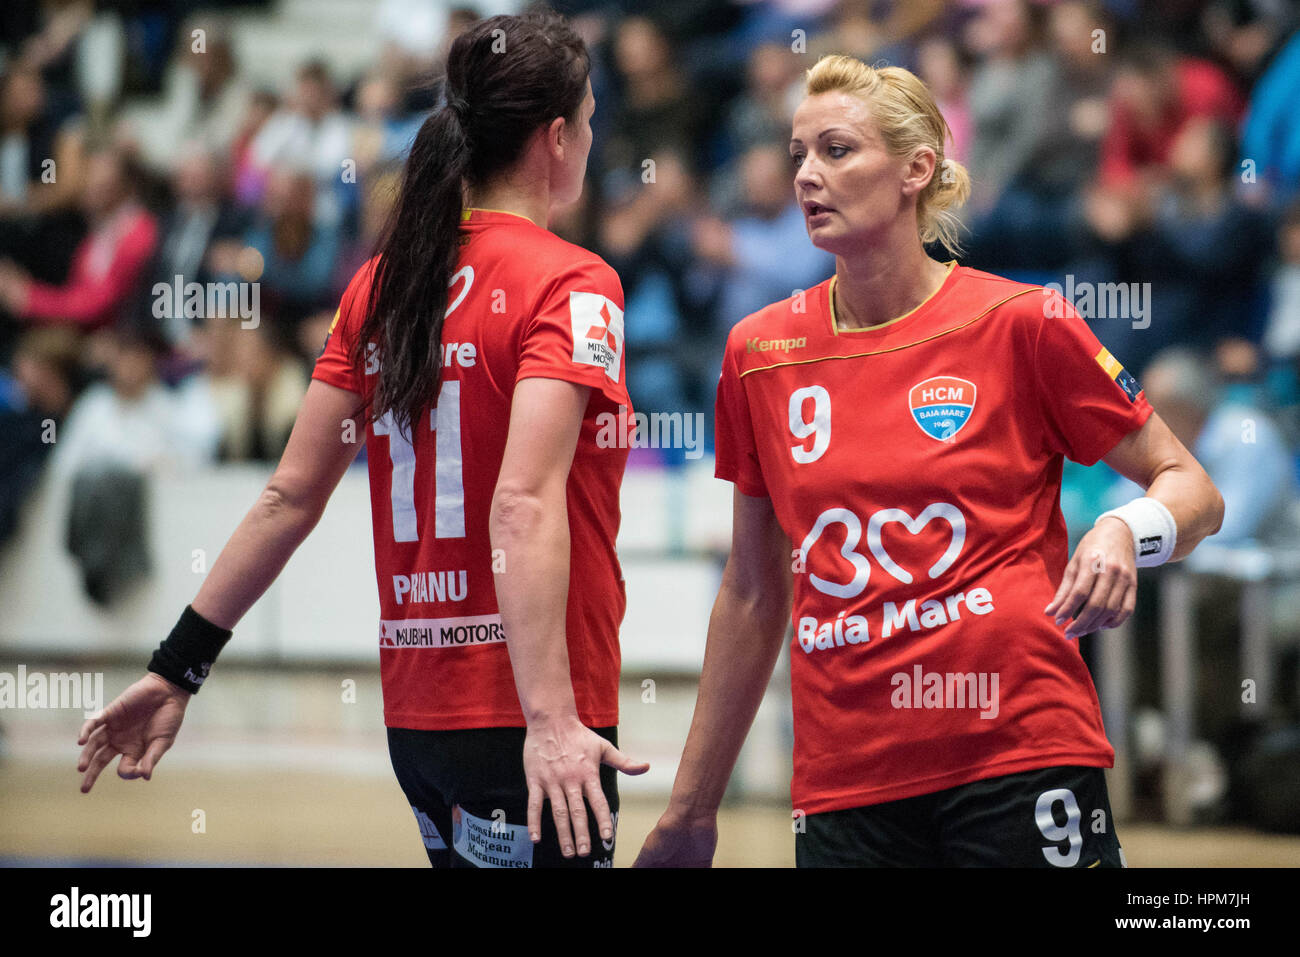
x: 601, y: 330
x: 597, y: 325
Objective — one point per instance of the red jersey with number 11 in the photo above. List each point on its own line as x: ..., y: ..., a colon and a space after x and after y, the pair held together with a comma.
x: 523, y: 304
x: 916, y: 468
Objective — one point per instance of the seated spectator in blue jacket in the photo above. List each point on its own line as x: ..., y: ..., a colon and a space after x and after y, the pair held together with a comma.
x: 1282, y: 332
x: 1221, y: 420
x: 288, y: 252
x: 763, y: 252
x: 1270, y: 135
x: 1199, y: 247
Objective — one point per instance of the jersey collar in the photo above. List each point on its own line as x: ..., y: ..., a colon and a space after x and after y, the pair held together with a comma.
x: 478, y: 214
x: 835, y: 323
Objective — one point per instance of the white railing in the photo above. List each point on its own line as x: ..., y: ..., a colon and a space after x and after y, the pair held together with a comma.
x: 1258, y: 570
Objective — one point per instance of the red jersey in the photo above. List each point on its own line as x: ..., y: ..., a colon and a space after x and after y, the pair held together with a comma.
x: 523, y: 304
x: 916, y: 468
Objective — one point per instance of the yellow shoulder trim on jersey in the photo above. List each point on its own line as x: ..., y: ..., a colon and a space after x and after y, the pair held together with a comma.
x: 465, y: 213
x: 335, y: 322
x: 906, y: 345
x: 835, y: 320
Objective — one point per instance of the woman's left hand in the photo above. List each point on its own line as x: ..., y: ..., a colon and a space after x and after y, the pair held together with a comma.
x: 1099, y: 589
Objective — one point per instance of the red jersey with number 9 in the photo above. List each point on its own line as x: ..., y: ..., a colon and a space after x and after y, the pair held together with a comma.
x: 916, y: 468
x: 523, y: 303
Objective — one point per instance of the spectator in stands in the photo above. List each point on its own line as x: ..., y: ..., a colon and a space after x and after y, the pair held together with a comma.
x: 383, y: 132
x: 762, y: 253
x: 645, y: 234
x: 762, y: 112
x: 656, y: 112
x: 412, y: 31
x: 204, y: 98
x: 872, y: 30
x: 1282, y: 335
x: 310, y: 132
x: 40, y: 178
x: 759, y: 115
x: 118, y: 434
x: 1080, y: 33
x: 200, y: 217
x: 107, y: 266
x: 378, y: 196
x: 256, y: 385
x: 1013, y: 96
x: 1204, y: 250
x: 1040, y: 112
x: 48, y: 43
x: 38, y: 160
x: 1271, y: 136
x: 1214, y: 407
x: 297, y: 252
x: 939, y: 64
x: 132, y: 420
x: 247, y: 175
x: 1245, y: 35
x: 36, y: 398
x: 417, y: 71
x: 1155, y: 94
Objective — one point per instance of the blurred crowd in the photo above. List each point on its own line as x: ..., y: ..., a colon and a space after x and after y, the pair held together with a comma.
x: 168, y: 272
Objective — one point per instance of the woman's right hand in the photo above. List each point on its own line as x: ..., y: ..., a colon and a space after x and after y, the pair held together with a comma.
x: 140, y: 725
x: 562, y: 760
x: 681, y: 839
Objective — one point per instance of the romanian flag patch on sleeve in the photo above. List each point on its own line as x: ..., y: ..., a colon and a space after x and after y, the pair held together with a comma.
x: 1123, y: 378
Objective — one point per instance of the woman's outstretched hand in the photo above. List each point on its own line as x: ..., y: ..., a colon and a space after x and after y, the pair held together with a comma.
x: 140, y: 725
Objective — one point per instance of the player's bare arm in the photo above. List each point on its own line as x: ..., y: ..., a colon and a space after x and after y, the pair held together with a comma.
x: 142, y: 723
x: 529, y: 525
x: 1099, y: 588
x: 746, y: 630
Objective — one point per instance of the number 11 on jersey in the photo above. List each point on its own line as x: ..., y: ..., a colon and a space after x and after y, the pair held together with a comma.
x: 449, y: 485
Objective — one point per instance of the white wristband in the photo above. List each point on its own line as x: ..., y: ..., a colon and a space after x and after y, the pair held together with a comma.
x: 1154, y: 530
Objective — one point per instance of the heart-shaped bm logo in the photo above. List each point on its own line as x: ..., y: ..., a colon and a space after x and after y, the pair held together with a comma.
x: 878, y: 520
x: 942, y: 405
x: 949, y: 513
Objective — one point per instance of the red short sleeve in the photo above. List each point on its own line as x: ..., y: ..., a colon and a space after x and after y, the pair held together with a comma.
x: 1088, y: 401
x: 334, y: 364
x: 735, y: 448
x: 576, y: 332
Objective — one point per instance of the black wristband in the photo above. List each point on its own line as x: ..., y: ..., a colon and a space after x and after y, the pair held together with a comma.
x: 187, y: 655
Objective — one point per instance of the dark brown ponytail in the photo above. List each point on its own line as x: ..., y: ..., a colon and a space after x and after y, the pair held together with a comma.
x: 506, y: 76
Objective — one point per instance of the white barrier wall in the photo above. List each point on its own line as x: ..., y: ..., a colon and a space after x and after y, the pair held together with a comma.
x: 324, y: 605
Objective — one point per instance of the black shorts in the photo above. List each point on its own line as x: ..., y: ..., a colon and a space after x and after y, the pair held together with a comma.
x: 1053, y: 817
x: 470, y: 799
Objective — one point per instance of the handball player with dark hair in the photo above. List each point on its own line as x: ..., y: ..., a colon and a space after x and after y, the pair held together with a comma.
x: 481, y: 350
x: 896, y: 437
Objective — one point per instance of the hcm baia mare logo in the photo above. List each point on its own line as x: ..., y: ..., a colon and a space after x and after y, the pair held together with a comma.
x: 942, y: 405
